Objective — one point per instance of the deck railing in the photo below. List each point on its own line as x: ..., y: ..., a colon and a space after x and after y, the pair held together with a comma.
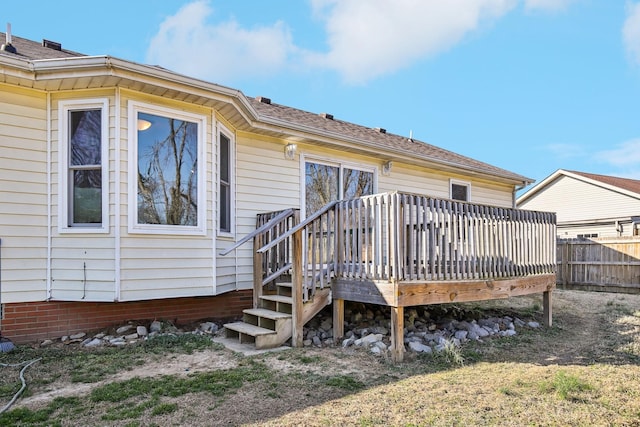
x: 409, y: 237
x: 399, y: 236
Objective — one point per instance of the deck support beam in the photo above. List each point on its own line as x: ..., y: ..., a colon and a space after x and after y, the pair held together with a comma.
x: 547, y: 308
x: 338, y: 319
x: 296, y: 292
x: 397, y: 333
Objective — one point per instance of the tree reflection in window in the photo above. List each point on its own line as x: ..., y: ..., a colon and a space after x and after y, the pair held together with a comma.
x: 85, y: 170
x: 326, y: 183
x: 168, y: 172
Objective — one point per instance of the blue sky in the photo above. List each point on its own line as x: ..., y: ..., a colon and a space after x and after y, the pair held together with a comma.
x: 527, y: 85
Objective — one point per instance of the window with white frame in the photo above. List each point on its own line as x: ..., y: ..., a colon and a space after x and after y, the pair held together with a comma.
x: 327, y: 181
x: 166, y: 165
x: 225, y: 180
x: 460, y: 190
x: 83, y: 150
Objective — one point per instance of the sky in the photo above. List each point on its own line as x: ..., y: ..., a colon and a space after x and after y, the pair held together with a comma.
x: 530, y: 86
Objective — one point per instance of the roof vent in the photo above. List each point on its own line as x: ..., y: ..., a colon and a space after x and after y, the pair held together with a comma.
x: 51, y: 44
x: 263, y: 99
x: 8, y: 47
x: 326, y: 116
x: 381, y: 130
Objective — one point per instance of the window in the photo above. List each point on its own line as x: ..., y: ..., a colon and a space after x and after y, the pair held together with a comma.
x: 460, y: 190
x: 225, y: 186
x: 325, y: 182
x: 166, y: 170
x: 83, y: 197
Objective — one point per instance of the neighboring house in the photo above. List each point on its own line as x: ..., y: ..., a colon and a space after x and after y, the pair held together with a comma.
x: 587, y: 205
x: 121, y: 183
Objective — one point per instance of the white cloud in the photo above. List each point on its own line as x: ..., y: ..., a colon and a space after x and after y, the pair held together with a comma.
x: 187, y: 44
x: 371, y: 38
x: 631, y: 31
x: 365, y: 39
x: 565, y: 151
x: 546, y: 5
x: 626, y: 154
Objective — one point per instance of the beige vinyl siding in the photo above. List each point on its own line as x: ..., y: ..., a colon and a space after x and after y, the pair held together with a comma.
x: 434, y: 183
x: 82, y: 265
x: 575, y: 200
x: 154, y: 266
x: 265, y: 182
x: 23, y: 194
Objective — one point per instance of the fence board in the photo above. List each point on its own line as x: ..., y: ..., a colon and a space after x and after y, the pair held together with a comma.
x: 604, y: 264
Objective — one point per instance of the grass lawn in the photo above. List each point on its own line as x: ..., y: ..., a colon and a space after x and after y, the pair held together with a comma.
x: 585, y: 370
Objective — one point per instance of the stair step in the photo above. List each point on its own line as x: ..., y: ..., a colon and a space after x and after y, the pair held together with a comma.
x: 248, y: 329
x: 267, y: 314
x: 277, y: 298
x: 290, y: 285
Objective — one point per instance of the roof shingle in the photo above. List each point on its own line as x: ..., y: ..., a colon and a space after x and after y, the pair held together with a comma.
x: 632, y: 185
x: 319, y: 124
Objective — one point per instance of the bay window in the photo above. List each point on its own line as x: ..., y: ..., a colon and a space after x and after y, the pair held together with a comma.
x: 166, y: 170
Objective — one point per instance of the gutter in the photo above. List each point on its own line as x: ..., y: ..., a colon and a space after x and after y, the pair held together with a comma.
x: 43, y: 66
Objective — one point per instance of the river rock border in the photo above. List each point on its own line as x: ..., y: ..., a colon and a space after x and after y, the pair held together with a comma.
x: 366, y: 326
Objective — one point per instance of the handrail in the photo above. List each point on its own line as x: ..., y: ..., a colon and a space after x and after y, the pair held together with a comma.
x: 298, y: 227
x: 259, y: 230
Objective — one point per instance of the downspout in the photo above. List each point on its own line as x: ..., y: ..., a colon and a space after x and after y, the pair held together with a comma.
x: 49, y: 200
x: 515, y: 190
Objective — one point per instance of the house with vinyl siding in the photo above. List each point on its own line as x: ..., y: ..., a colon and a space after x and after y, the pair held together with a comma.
x: 122, y: 183
x: 587, y: 205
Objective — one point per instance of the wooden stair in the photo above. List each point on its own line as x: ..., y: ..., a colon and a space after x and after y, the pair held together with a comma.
x: 271, y: 324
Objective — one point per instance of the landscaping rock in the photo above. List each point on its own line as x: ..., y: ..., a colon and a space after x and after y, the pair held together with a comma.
x: 122, y: 329
x: 156, y: 326
x: 142, y: 331
x: 419, y: 347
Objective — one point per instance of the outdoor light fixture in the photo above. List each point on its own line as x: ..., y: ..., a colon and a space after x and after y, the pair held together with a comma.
x: 386, y: 167
x: 290, y: 151
x: 143, y: 124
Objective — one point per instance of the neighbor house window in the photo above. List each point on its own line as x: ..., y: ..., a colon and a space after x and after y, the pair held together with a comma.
x: 166, y: 170
x: 225, y: 181
x: 83, y: 157
x: 460, y: 191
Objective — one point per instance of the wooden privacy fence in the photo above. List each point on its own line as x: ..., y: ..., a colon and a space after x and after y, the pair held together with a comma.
x: 601, y: 264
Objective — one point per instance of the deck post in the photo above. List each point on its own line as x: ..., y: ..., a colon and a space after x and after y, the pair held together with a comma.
x: 257, y: 270
x: 338, y: 319
x: 397, y: 333
x: 546, y: 308
x: 296, y: 292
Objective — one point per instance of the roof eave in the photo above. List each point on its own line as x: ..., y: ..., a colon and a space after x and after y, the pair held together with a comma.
x: 55, y: 68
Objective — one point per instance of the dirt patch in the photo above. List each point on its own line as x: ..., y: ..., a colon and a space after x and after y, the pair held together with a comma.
x: 179, y: 364
x: 595, y: 341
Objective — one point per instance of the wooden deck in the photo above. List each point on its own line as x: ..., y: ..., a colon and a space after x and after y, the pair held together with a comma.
x: 401, y: 250
x: 398, y: 295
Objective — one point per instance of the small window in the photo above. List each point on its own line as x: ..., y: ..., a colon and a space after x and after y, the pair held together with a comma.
x: 83, y: 153
x: 225, y: 181
x: 166, y: 160
x: 460, y: 191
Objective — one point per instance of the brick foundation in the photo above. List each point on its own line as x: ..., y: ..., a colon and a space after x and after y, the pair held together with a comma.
x: 36, y: 321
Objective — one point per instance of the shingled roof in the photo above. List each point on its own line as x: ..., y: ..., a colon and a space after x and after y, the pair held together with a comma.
x: 28, y: 49
x: 375, y: 136
x: 632, y: 185
x: 319, y: 124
